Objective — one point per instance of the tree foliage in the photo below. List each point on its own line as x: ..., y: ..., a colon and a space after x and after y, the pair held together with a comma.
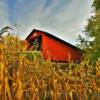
x: 92, y: 31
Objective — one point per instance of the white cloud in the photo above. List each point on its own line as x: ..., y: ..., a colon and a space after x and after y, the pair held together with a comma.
x: 63, y: 18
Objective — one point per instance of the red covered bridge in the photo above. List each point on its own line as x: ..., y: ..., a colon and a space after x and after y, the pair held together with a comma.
x: 52, y: 47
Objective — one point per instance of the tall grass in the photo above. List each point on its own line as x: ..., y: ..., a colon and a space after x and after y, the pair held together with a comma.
x: 25, y: 75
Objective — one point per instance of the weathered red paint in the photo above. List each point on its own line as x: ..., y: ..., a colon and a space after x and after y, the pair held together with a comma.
x: 54, y: 49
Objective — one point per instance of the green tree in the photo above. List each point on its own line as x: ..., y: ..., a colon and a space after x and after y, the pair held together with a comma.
x: 92, y: 32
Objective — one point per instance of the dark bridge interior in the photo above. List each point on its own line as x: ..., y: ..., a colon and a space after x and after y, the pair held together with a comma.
x: 36, y: 43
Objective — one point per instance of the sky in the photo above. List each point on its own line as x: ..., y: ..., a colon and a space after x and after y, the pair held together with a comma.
x: 65, y: 19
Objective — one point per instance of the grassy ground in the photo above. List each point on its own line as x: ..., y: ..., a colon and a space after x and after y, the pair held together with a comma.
x: 25, y: 75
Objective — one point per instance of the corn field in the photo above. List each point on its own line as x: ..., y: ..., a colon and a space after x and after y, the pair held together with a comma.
x: 25, y: 75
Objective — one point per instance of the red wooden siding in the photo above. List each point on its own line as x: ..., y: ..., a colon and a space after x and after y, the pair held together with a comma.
x: 54, y: 49
x: 58, y: 51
